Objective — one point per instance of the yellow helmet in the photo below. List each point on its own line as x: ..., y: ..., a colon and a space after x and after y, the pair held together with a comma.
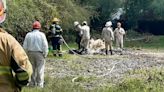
x: 55, y: 20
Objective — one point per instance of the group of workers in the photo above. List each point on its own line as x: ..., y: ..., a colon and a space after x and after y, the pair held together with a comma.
x: 83, y: 36
x: 22, y: 65
x: 36, y: 46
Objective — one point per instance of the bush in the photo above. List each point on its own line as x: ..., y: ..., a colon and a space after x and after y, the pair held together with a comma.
x: 22, y: 13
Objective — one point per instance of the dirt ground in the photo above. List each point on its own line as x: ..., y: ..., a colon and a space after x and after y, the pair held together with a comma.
x: 102, y: 70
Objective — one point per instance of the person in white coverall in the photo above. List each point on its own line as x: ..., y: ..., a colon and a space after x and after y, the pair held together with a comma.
x: 36, y: 46
x: 119, y: 33
x: 85, y: 36
x: 108, y: 36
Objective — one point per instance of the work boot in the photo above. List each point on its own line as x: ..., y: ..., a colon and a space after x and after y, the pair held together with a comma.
x: 60, y: 55
x: 55, y: 54
x: 111, y: 52
x: 106, y: 52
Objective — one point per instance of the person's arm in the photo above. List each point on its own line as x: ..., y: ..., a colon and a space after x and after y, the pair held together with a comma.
x: 123, y: 31
x: 25, y: 45
x: 115, y: 34
x: 45, y: 45
x: 50, y: 28
x: 20, y: 63
x: 112, y: 34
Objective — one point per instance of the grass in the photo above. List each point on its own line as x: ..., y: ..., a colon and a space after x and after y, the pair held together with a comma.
x: 148, y: 41
x: 148, y: 80
x: 56, y: 85
x: 140, y: 80
x: 151, y: 42
x: 145, y: 80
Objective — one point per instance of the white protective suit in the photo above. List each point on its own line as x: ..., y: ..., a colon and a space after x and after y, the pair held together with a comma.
x: 108, y: 36
x: 119, y: 37
x: 85, y: 37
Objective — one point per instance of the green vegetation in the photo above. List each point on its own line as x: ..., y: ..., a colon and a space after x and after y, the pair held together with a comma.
x: 22, y: 13
x: 139, y: 80
x: 57, y: 85
x: 148, y: 42
x: 145, y: 80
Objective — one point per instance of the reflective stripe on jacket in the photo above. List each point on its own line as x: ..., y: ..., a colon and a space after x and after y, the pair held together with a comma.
x: 5, y: 70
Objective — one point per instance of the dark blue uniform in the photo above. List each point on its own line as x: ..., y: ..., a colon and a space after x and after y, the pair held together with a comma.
x: 56, y: 33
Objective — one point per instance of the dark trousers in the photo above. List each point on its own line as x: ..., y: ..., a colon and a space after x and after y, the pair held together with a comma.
x: 56, y: 43
x: 78, y: 40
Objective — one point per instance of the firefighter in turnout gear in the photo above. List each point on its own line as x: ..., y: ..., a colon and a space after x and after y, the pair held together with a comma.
x: 56, y: 37
x: 15, y: 67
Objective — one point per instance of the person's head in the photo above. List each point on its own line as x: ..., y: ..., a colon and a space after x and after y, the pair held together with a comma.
x: 36, y: 25
x: 84, y: 23
x: 108, y: 24
x: 76, y: 23
x: 118, y: 25
x: 55, y: 21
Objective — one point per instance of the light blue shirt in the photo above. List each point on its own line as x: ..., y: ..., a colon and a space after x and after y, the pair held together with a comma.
x: 36, y: 41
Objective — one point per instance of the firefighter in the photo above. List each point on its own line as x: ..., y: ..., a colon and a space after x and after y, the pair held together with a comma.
x: 15, y: 67
x: 119, y: 36
x: 56, y: 37
x: 108, y: 36
x: 85, y: 36
x: 36, y: 46
x: 78, y: 33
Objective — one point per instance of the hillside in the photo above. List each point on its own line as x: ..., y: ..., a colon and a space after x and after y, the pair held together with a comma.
x: 22, y: 13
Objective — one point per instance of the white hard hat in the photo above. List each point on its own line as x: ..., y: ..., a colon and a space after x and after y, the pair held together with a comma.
x: 76, y: 23
x: 109, y: 23
x: 84, y: 22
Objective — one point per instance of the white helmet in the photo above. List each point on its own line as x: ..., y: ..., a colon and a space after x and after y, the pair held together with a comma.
x: 76, y: 23
x: 84, y: 22
x: 109, y: 23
